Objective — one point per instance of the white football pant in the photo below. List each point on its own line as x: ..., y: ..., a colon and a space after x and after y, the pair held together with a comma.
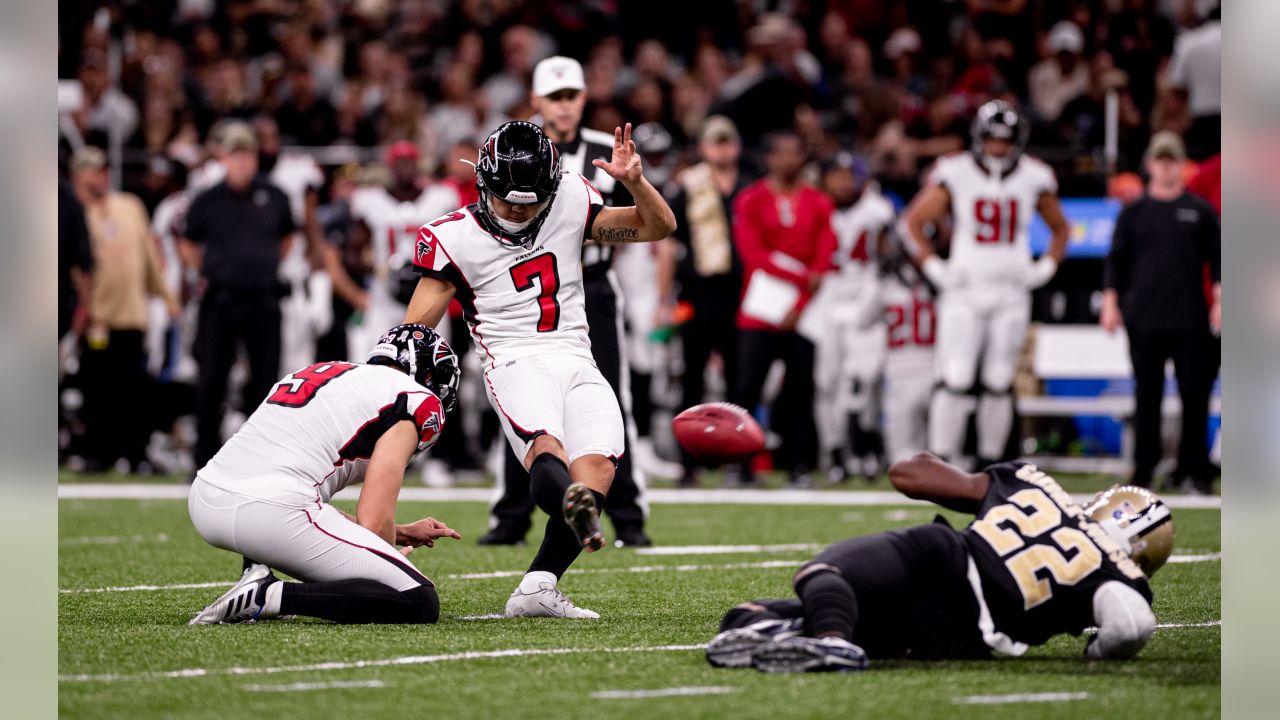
x: 981, y: 330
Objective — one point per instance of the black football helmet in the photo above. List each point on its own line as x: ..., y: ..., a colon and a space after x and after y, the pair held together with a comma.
x: 425, y: 356
x: 517, y: 163
x: 1001, y: 120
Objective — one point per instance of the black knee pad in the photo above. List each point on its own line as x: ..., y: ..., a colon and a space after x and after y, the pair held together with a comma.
x: 815, y: 572
x: 427, y: 602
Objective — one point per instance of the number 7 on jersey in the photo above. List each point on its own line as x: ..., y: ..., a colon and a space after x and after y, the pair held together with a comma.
x: 543, y: 269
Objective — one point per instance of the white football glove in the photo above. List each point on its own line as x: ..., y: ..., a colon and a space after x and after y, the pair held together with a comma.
x: 1042, y: 272
x: 939, y: 273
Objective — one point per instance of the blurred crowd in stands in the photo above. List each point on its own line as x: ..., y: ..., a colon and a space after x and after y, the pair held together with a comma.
x: 146, y: 90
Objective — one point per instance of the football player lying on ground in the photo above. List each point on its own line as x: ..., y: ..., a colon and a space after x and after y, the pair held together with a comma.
x: 1031, y: 565
x: 266, y: 493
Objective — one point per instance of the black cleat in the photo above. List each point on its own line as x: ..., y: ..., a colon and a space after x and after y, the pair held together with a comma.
x: 501, y: 536
x: 631, y: 538
x: 582, y: 517
x: 806, y: 654
x: 734, y: 648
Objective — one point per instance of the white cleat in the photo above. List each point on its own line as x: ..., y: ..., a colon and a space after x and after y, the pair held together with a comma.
x: 546, y: 601
x: 243, y: 603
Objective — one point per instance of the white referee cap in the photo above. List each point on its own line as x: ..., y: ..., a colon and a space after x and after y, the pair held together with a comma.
x: 558, y: 73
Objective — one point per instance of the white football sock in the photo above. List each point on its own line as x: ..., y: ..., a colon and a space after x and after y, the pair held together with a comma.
x: 533, y: 580
x: 271, y: 601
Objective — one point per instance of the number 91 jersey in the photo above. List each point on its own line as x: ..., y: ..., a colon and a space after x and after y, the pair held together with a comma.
x: 519, y: 302
x: 992, y: 213
x: 1040, y: 558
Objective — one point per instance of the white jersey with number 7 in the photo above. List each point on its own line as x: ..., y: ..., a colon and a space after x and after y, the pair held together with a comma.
x: 518, y: 302
x: 992, y: 213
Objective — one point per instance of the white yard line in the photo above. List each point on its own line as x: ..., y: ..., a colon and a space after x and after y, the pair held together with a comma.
x: 663, y: 692
x: 724, y: 549
x: 1206, y: 557
x: 632, y: 569
x: 361, y: 664
x: 1173, y: 626
x: 497, y: 574
x: 305, y: 686
x: 112, y: 539
x: 140, y: 588
x: 1020, y: 698
x: 718, y: 496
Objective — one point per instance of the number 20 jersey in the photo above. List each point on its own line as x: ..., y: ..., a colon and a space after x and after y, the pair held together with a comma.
x: 518, y: 302
x: 315, y: 432
x: 1040, y: 558
x: 992, y: 213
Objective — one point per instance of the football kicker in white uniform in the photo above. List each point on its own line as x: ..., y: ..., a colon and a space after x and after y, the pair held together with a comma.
x: 393, y: 215
x: 265, y: 495
x: 513, y: 261
x: 845, y: 324
x: 984, y: 306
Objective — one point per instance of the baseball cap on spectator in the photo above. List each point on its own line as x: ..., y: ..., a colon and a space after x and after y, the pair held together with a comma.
x: 903, y: 40
x: 1066, y: 37
x: 848, y: 161
x: 237, y: 135
x: 558, y: 73
x: 88, y: 158
x: 1166, y: 144
x: 402, y: 150
x: 718, y: 128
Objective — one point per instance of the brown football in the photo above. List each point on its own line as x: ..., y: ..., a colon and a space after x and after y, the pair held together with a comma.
x: 717, y: 433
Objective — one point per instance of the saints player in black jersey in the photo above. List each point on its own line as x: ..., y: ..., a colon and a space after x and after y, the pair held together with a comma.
x: 1031, y: 565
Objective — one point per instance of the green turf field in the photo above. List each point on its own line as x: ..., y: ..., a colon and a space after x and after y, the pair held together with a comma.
x: 118, y: 650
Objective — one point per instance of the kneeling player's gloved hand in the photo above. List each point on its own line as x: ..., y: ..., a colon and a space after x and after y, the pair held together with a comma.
x: 423, y: 532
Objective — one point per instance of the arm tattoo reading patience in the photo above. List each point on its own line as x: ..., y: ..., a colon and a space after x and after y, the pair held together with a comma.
x: 617, y: 234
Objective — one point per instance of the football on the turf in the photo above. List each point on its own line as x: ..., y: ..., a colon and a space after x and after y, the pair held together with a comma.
x: 717, y: 433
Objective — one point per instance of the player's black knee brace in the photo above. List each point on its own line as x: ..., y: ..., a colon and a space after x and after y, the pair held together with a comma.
x: 426, y: 603
x: 829, y: 604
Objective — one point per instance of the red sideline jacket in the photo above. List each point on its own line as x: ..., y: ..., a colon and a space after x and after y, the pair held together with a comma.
x: 795, y: 224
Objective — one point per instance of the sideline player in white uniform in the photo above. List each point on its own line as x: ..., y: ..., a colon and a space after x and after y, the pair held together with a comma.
x: 393, y: 215
x: 984, y: 306
x: 266, y: 493
x: 911, y: 323
x: 849, y: 336
x: 514, y: 262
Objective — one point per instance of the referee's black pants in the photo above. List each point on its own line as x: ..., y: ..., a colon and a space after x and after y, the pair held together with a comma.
x: 712, y: 328
x: 511, y: 514
x: 792, y: 415
x: 1192, y: 355
x: 227, y: 319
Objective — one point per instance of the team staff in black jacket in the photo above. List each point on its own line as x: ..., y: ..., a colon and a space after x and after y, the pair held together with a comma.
x: 1154, y: 286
